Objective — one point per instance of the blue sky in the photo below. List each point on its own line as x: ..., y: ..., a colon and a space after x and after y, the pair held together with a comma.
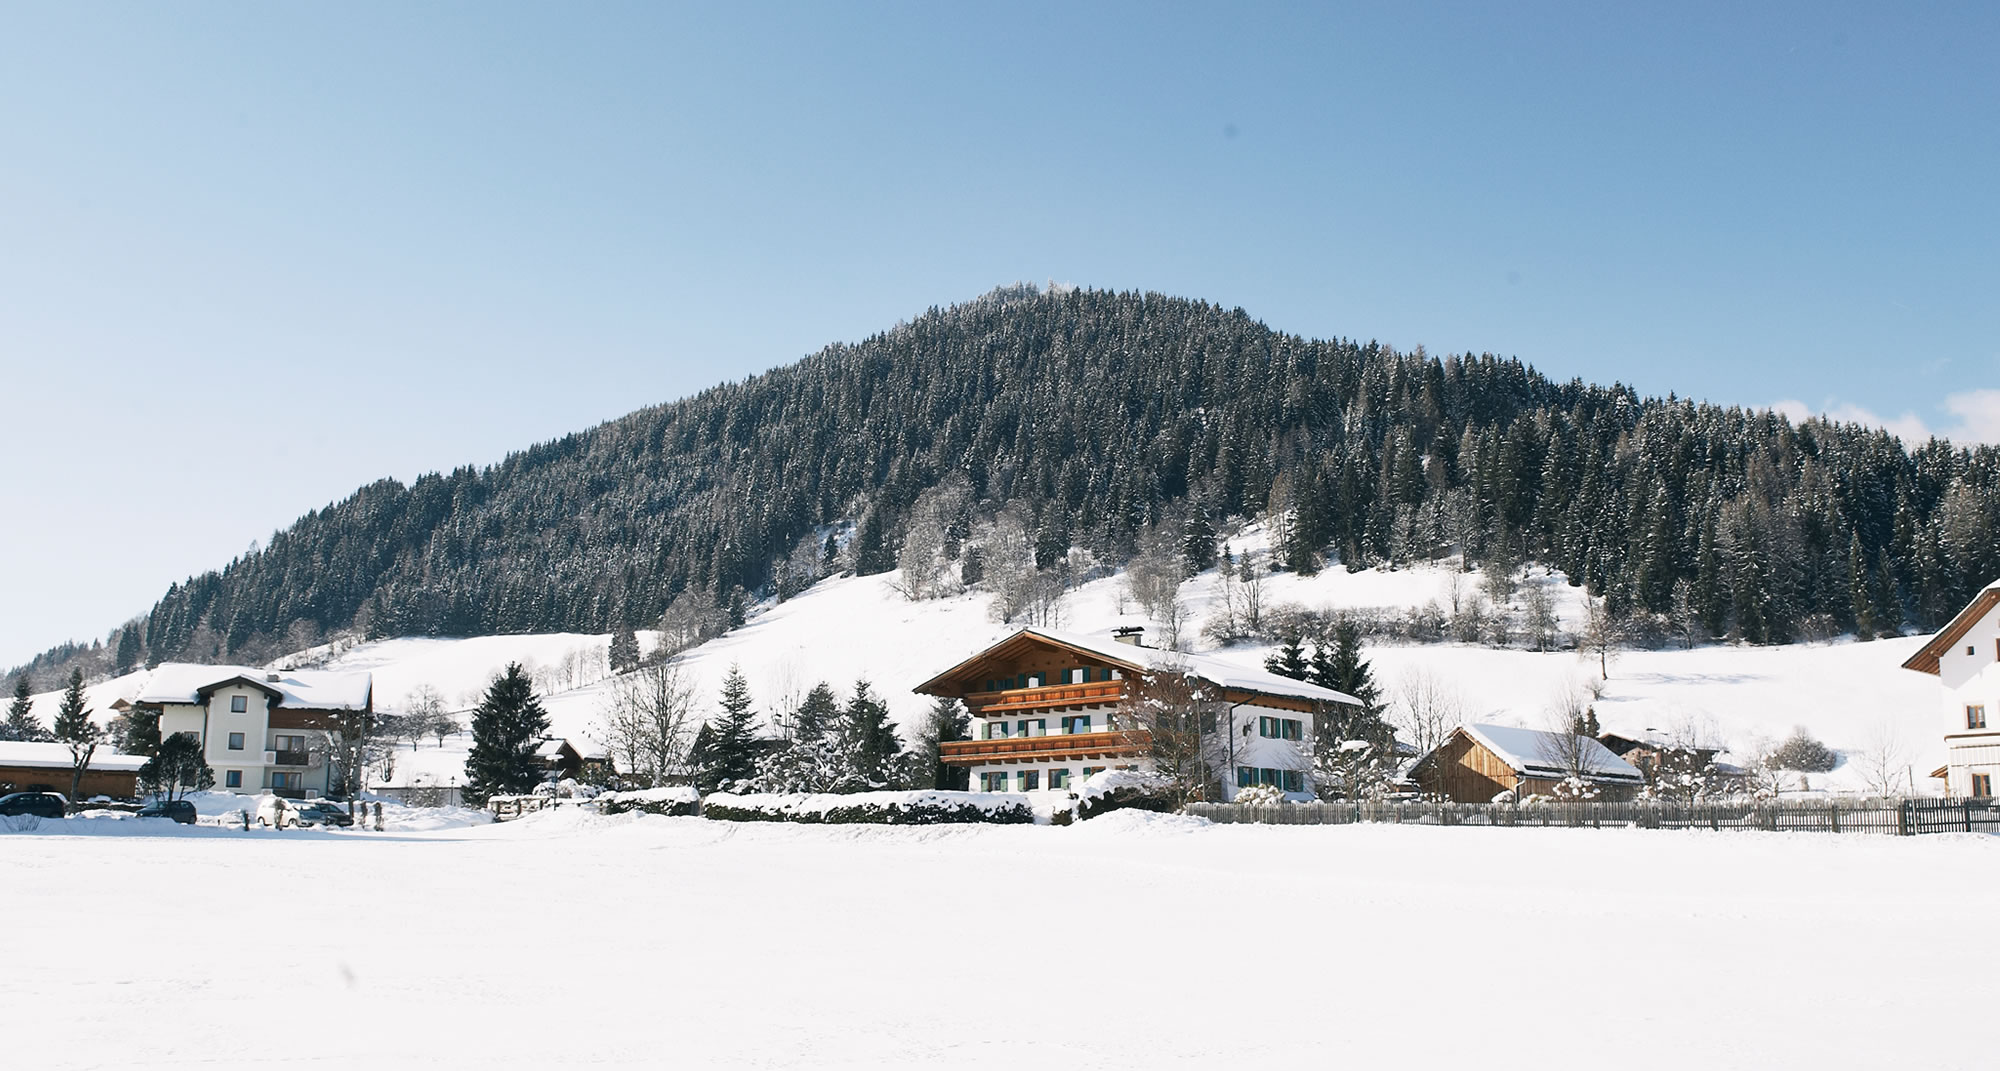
x: 252, y: 257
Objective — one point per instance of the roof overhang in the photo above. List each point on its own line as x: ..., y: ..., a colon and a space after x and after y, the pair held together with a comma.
x: 1019, y: 643
x: 1927, y: 656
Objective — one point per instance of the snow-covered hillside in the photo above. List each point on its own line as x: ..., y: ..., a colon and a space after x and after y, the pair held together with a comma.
x: 1852, y: 695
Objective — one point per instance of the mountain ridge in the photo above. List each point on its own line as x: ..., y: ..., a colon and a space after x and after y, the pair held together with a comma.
x: 1097, y: 418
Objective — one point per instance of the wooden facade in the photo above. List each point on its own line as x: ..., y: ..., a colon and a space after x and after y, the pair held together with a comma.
x: 118, y: 784
x: 1464, y: 770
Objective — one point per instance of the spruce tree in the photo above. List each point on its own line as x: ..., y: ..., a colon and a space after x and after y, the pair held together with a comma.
x: 869, y: 743
x: 128, y: 649
x: 21, y: 723
x: 624, y: 651
x: 507, y: 727
x: 732, y: 752
x: 74, y: 728
x: 1289, y: 660
x: 1349, y: 672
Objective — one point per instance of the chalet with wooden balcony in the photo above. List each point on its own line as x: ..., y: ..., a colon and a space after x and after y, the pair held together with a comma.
x: 1045, y: 713
x: 261, y: 731
x: 1965, y: 658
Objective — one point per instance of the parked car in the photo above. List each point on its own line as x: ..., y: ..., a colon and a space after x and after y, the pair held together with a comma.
x: 179, y: 810
x: 276, y: 812
x: 40, y: 804
x: 323, y: 813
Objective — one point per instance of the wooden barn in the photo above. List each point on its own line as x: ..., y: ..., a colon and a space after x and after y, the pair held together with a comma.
x: 26, y: 767
x: 1478, y: 762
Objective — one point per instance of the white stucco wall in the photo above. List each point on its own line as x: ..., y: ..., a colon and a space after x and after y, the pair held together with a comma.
x: 1244, y: 748
x: 1970, y: 675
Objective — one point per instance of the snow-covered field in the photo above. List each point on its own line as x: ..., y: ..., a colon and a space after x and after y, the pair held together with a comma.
x: 1130, y: 941
x: 1852, y: 695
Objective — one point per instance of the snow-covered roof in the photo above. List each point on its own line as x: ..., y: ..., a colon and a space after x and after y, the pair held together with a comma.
x: 56, y: 757
x: 1534, y: 752
x: 182, y: 682
x: 1927, y: 656
x: 1207, y: 667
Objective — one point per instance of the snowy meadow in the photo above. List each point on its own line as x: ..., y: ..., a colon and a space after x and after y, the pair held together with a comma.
x: 570, y: 939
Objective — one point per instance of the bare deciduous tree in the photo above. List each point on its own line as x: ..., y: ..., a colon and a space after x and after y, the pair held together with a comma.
x: 649, y: 723
x: 1884, y: 762
x: 1170, y: 714
x: 1425, y: 710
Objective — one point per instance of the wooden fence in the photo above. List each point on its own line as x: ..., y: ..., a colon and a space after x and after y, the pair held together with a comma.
x: 1890, y: 817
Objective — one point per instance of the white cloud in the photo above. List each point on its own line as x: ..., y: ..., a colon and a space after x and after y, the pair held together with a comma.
x: 1976, y: 417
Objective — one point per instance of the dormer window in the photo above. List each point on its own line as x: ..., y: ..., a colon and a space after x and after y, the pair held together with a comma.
x: 239, y: 704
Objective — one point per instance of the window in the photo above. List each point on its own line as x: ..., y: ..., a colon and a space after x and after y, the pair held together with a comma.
x: 1089, y: 771
x: 1975, y: 716
x: 1968, y: 650
x: 239, y: 704
x: 1076, y: 723
x: 1032, y: 727
x: 1059, y: 778
x: 235, y: 741
x: 286, y: 780
x: 1030, y: 780
x: 1294, y: 781
x: 288, y: 743
x: 1280, y: 728
x: 993, y: 782
x: 1245, y: 776
x: 996, y: 730
x: 1982, y: 785
x: 232, y: 779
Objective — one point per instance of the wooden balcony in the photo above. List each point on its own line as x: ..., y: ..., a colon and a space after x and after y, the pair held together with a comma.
x: 1047, y: 697
x: 1061, y: 747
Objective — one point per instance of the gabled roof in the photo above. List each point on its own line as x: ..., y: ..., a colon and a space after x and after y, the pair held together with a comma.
x: 1531, y: 753
x: 1926, y: 658
x: 299, y: 689
x: 1136, y: 659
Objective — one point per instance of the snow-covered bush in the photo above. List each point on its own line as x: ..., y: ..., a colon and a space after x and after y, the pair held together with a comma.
x: 1260, y: 796
x: 1112, y: 790
x: 678, y: 800
x: 1573, y: 789
x: 929, y: 807
x: 567, y: 789
x: 1803, y: 753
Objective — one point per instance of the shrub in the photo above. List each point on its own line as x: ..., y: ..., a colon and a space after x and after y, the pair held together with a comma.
x: 1115, y: 790
x: 1803, y: 753
x: 921, y: 808
x: 679, y: 801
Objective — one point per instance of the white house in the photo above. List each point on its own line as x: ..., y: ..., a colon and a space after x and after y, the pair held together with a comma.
x: 1965, y: 657
x: 260, y: 731
x: 1042, y: 705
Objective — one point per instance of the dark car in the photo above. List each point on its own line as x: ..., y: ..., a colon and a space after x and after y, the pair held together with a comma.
x: 179, y: 810
x: 41, y: 804
x: 322, y: 813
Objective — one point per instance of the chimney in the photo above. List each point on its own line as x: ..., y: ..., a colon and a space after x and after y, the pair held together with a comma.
x: 1128, y: 634
x: 272, y: 677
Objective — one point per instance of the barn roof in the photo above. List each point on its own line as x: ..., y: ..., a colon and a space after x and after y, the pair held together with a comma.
x: 182, y: 682
x: 1533, y: 753
x: 56, y: 757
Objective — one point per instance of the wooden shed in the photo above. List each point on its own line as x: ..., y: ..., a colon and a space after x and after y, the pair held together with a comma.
x: 1479, y: 762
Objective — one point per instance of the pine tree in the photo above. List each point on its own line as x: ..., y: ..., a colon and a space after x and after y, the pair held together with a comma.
x: 507, y: 727
x: 1347, y: 670
x: 178, y: 769
x: 815, y: 757
x: 624, y: 651
x: 1289, y: 660
x: 869, y: 744
x: 128, y: 649
x: 732, y: 751
x: 872, y: 553
x: 21, y: 723
x: 74, y: 728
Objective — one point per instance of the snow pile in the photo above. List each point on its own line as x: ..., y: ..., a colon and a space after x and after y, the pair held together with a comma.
x: 928, y: 807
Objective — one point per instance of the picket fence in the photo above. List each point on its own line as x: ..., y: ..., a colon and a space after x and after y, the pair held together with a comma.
x: 1890, y: 817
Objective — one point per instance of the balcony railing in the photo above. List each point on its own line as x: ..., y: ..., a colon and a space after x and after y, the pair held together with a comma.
x: 1049, y: 695
x: 1042, y: 748
x: 291, y: 758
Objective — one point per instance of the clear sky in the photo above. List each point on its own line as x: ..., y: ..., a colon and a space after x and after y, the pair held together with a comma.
x: 254, y: 256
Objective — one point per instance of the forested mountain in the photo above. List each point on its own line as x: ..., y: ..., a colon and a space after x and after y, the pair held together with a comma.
x: 1091, y: 418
